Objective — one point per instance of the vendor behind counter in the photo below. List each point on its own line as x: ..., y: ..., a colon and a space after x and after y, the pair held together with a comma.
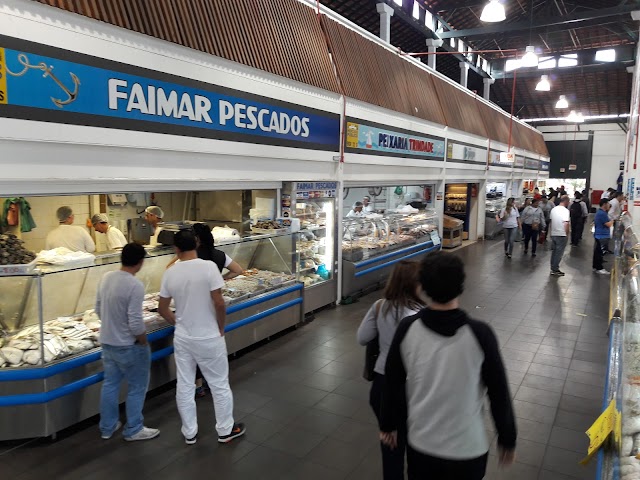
x: 67, y: 235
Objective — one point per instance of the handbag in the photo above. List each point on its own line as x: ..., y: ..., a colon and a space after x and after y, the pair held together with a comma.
x: 542, y: 238
x: 371, y: 353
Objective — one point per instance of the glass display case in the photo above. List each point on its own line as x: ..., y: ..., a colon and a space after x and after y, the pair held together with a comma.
x: 49, y: 331
x: 372, y: 245
x: 492, y: 208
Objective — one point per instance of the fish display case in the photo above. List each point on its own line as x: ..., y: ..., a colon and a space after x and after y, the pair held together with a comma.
x: 372, y: 245
x: 50, y: 372
x: 315, y: 249
x: 492, y: 227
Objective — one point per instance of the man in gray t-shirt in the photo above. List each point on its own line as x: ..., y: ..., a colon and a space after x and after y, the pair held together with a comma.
x: 125, y: 351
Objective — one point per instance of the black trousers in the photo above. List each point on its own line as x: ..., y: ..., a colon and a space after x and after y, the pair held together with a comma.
x: 599, y: 248
x: 530, y: 235
x: 392, y: 460
x: 577, y: 226
x: 426, y: 467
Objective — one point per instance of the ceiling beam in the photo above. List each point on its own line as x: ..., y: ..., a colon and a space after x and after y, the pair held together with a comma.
x: 550, y: 102
x: 564, y: 22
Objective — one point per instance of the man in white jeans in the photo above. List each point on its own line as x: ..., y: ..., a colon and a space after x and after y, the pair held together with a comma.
x: 200, y: 316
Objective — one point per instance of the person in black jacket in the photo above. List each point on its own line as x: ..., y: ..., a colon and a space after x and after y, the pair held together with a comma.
x: 440, y: 365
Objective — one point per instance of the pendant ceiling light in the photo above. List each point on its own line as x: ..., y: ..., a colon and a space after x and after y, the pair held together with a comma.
x: 543, y: 85
x: 562, y: 102
x: 530, y: 59
x: 574, y: 117
x: 493, y: 12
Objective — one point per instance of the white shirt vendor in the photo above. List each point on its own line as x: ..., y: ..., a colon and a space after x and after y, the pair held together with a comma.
x: 73, y: 237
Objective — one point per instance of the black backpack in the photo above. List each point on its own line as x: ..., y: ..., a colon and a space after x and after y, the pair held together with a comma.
x: 575, y: 211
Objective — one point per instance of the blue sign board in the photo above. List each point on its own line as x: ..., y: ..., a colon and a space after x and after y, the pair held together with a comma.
x: 47, y: 84
x: 381, y: 140
x: 544, y: 166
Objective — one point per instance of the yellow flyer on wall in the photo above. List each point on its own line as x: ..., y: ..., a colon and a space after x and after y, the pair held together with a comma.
x: 3, y: 78
x: 352, y: 135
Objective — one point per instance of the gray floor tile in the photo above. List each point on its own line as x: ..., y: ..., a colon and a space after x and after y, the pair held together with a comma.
x: 586, y: 378
x: 567, y: 462
x: 541, y: 397
x: 294, y: 441
x: 573, y: 421
x: 317, y: 421
x: 340, y: 405
x: 581, y: 405
x: 548, y: 371
x: 535, y: 431
x: 552, y: 360
x: 519, y: 355
x: 569, y: 439
x: 588, y: 367
x: 543, y: 383
x: 534, y: 412
x: 524, y: 346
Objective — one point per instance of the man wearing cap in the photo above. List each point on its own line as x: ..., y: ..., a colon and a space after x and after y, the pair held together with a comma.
x: 154, y: 216
x: 115, y: 238
x: 67, y: 235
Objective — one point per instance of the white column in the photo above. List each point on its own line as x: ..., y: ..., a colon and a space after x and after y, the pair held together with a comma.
x: 386, y: 12
x: 487, y: 87
x: 432, y: 47
x: 464, y: 73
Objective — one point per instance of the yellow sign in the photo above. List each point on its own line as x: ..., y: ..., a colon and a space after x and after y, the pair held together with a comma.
x: 352, y: 134
x: 609, y: 421
x: 3, y: 78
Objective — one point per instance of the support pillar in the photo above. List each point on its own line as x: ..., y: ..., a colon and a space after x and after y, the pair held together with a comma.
x: 464, y: 73
x: 432, y: 46
x: 487, y: 87
x: 386, y: 12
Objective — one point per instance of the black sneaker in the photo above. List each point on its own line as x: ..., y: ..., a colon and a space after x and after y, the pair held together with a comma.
x: 526, y: 251
x: 557, y: 273
x: 533, y: 254
x: 191, y: 441
x: 237, y: 431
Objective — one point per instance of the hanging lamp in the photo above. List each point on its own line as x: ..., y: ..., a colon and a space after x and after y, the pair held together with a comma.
x: 493, y: 12
x: 543, y: 85
x: 529, y: 59
x: 562, y: 102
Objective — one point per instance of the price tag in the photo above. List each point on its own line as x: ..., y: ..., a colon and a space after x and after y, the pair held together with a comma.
x: 435, y: 238
x: 609, y: 421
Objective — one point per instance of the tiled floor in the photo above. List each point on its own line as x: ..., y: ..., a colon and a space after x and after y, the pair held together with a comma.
x: 306, y: 407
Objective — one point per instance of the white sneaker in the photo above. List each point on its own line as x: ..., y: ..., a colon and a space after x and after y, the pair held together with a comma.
x: 603, y: 272
x: 118, y: 426
x: 145, y: 434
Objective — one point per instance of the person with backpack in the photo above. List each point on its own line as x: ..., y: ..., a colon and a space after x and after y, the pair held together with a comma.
x: 399, y: 300
x: 533, y: 222
x: 578, y: 214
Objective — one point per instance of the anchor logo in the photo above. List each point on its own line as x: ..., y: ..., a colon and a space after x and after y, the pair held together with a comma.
x: 48, y: 72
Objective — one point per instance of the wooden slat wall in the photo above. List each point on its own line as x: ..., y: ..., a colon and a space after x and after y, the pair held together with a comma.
x: 375, y: 75
x: 283, y: 37
x: 460, y: 110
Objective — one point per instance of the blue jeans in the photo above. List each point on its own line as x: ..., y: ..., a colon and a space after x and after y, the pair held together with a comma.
x: 131, y: 363
x: 559, y: 244
x: 509, y: 238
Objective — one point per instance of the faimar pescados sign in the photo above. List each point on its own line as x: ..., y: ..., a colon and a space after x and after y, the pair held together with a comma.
x: 38, y: 82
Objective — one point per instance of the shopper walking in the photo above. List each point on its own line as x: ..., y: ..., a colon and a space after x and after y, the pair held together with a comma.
x: 125, y: 351
x: 510, y: 218
x: 195, y: 286
x: 601, y: 234
x: 560, y: 225
x: 578, y: 215
x: 399, y: 300
x: 546, y: 206
x: 440, y: 365
x: 615, y: 203
x: 533, y: 222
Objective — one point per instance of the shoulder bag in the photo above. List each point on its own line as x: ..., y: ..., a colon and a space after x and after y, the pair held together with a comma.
x: 372, y: 351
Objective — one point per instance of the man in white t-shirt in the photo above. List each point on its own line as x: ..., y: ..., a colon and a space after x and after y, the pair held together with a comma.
x: 196, y: 287
x: 115, y: 238
x: 615, y: 209
x: 560, y: 225
x: 68, y: 235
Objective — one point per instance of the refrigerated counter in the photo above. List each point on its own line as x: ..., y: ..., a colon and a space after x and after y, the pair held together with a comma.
x: 49, y: 353
x: 372, y: 245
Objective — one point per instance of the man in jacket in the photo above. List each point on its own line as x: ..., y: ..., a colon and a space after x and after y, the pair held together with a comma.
x: 446, y: 436
x: 578, y: 213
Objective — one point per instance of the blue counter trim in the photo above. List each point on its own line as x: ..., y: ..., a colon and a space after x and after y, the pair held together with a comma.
x: 395, y: 253
x: 45, y: 397
x: 40, y: 373
x: 265, y: 298
x: 393, y: 262
x: 261, y: 315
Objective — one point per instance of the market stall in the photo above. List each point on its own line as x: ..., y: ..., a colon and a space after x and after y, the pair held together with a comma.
x: 372, y: 245
x: 49, y: 350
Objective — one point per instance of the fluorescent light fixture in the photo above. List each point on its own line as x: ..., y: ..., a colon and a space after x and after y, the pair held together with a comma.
x: 530, y: 59
x: 493, y: 12
x: 543, y: 85
x: 606, y: 55
x: 589, y: 117
x: 428, y: 19
x: 398, y: 2
x: 461, y: 47
x: 416, y: 10
x: 512, y: 64
x: 562, y: 102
